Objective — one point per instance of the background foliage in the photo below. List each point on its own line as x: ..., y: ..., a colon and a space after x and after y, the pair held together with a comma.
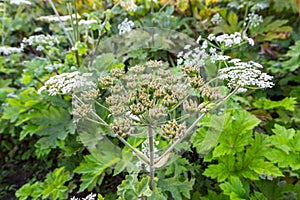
x: 251, y: 151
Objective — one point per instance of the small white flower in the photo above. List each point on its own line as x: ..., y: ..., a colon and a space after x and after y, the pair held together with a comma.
x: 212, y: 50
x: 216, y: 19
x: 234, y: 60
x: 249, y: 40
x: 40, y: 48
x: 90, y: 197
x: 222, y: 57
x: 211, y: 37
x: 54, y: 18
x: 260, y: 6
x: 87, y: 23
x: 241, y: 90
x: 187, y: 47
x: 125, y: 27
x: 128, y: 5
x: 204, y: 45
x: 254, y: 19
x: 198, y: 39
x: 230, y: 40
x: 5, y: 50
x: 18, y: 2
x: 180, y: 54
x: 179, y: 61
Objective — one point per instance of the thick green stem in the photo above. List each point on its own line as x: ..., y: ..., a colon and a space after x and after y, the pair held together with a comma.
x: 139, y: 154
x: 151, y: 149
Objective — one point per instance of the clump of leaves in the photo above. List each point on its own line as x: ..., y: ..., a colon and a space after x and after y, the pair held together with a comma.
x: 55, y: 186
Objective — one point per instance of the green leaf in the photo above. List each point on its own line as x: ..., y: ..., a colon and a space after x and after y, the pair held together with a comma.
x: 177, y: 166
x: 248, y: 163
x: 127, y: 162
x: 270, y: 29
x: 287, y: 103
x: 52, y: 125
x: 103, y: 61
x: 277, y: 190
x: 281, y: 5
x: 91, y: 170
x: 232, y: 19
x: 293, y: 61
x: 132, y: 188
x: 24, y: 192
x: 258, y: 196
x: 207, y: 137
x: 82, y: 48
x: 19, y: 104
x: 283, y: 138
x: 219, y: 171
x: 177, y: 188
x: 285, y: 151
x: 55, y: 184
x: 235, y: 189
x: 262, y: 167
x: 54, y: 187
x: 157, y: 194
x: 237, y: 132
x: 213, y: 196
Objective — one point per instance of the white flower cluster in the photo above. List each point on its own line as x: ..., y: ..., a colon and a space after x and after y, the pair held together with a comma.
x: 87, y: 23
x: 235, y: 5
x: 245, y: 74
x: 216, y: 18
x: 193, y: 56
x: 253, y: 20
x: 197, y: 56
x: 229, y: 40
x: 5, y: 50
x: 128, y: 5
x: 54, y: 18
x: 125, y: 27
x: 88, y: 197
x: 67, y: 83
x: 41, y: 41
x: 18, y: 2
x: 52, y: 67
x: 260, y: 6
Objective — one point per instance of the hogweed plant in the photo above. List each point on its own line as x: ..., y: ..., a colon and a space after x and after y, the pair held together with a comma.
x: 153, y: 102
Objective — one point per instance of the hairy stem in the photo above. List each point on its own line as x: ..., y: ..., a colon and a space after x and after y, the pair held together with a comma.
x: 151, y: 149
x: 139, y: 154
